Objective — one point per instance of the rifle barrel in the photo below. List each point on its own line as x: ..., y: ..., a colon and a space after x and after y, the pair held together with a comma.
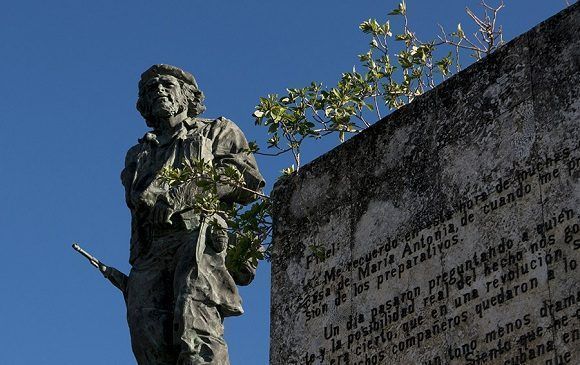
x: 87, y: 255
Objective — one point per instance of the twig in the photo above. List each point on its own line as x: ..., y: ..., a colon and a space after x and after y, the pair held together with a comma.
x: 282, y: 151
x: 376, y: 102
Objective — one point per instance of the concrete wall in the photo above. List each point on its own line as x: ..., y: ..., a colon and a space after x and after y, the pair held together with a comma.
x: 449, y: 232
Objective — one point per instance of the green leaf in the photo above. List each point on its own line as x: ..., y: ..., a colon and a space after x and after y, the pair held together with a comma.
x: 289, y: 170
x: 387, y: 29
x: 404, y: 37
x: 400, y: 10
x: 253, y: 147
x: 366, y: 26
x: 371, y: 26
x: 444, y: 64
x: 405, y: 59
x: 274, y: 140
x: 317, y: 250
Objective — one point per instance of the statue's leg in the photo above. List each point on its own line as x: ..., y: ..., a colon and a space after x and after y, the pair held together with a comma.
x: 198, y: 325
x: 150, y: 313
x: 200, y: 333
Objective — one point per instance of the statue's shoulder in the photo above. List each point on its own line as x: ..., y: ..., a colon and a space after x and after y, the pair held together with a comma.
x: 135, y: 148
x: 141, y: 145
x: 133, y: 151
x: 210, y: 126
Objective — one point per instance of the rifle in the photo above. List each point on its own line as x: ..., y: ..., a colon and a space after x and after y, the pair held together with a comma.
x: 116, y: 277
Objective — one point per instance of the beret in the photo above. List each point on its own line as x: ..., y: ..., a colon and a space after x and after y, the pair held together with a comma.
x: 162, y: 69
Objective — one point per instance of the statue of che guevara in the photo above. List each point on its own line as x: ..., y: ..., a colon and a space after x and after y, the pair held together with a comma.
x: 179, y: 290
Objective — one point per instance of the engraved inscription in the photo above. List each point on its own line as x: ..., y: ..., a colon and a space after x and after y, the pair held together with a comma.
x: 510, y: 268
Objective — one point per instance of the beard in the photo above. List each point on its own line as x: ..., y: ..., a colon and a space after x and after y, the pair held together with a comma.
x: 165, y: 108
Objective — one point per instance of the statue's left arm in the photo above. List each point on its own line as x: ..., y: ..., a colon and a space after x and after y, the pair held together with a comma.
x: 230, y: 148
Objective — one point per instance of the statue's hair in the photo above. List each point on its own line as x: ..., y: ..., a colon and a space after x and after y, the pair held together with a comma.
x: 191, y: 93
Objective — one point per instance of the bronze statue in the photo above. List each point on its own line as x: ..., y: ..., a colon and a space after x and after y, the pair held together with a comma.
x: 179, y: 290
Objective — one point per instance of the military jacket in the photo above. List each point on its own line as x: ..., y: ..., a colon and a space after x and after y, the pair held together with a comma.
x: 219, y: 141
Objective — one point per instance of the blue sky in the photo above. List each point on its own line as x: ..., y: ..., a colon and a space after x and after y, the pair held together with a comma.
x: 70, y: 73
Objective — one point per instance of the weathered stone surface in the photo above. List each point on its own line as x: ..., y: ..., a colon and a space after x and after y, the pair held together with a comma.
x: 449, y: 232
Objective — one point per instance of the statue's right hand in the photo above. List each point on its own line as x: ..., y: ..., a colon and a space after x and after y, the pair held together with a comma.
x: 104, y: 269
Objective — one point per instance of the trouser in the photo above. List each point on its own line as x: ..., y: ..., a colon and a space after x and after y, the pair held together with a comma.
x: 167, y: 325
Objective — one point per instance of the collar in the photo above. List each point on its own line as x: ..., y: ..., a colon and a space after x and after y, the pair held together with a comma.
x: 156, y: 140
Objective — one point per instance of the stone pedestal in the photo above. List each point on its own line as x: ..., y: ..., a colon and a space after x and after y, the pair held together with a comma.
x: 449, y: 232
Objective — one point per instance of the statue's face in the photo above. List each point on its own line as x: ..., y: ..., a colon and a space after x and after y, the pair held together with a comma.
x: 164, y: 96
